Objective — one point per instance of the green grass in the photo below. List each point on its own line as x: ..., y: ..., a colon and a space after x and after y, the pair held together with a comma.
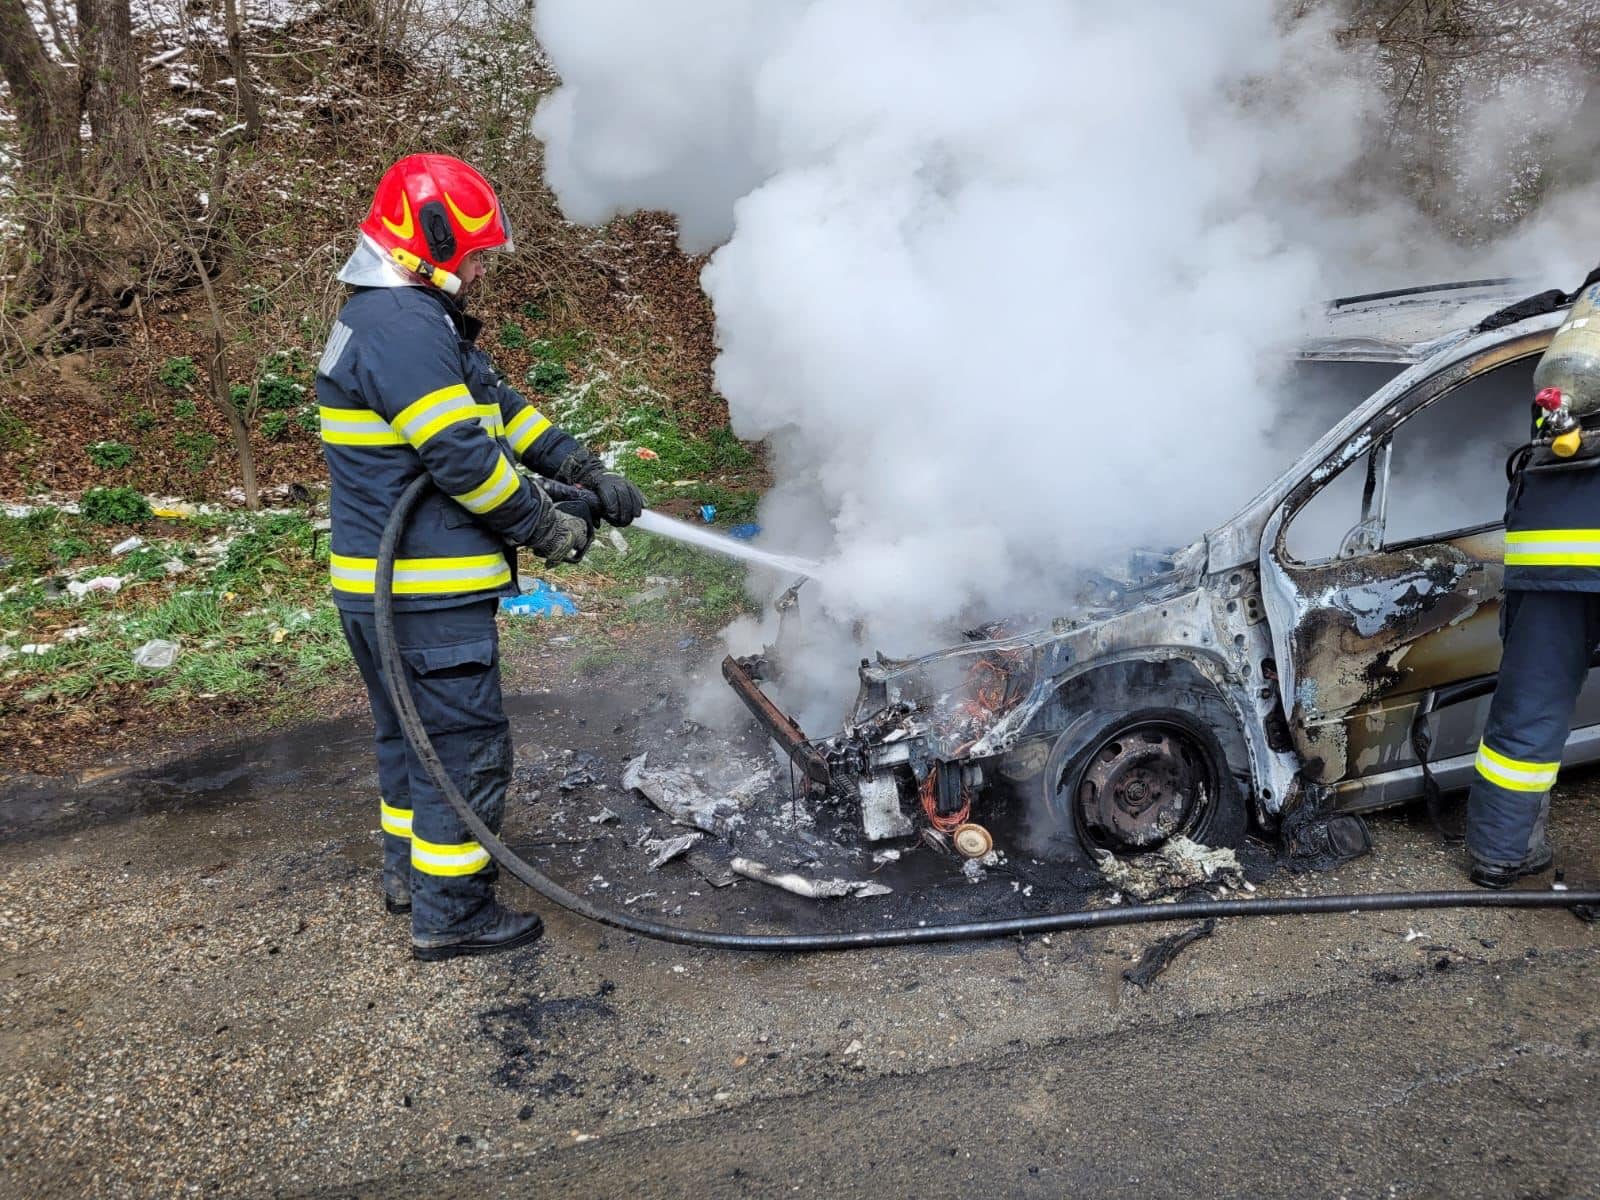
x: 617, y: 416
x: 622, y: 410
x: 14, y: 432
x: 280, y: 545
x: 226, y: 650
x: 115, y: 506
x: 178, y: 373
x: 197, y: 446
x: 279, y: 388
x: 734, y: 505
x: 69, y: 549
x: 548, y: 378
x: 570, y: 346
x: 144, y: 564
x: 599, y: 658
x: 26, y: 543
x: 710, y: 587
x: 256, y: 620
x: 109, y: 456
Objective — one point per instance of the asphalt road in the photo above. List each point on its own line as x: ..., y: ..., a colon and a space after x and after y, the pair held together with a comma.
x: 199, y: 993
x: 1478, y: 1081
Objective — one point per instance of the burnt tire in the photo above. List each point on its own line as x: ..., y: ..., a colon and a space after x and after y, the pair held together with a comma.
x: 1127, y: 782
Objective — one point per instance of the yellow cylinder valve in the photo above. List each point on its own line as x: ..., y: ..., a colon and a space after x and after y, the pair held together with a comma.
x: 1567, y: 444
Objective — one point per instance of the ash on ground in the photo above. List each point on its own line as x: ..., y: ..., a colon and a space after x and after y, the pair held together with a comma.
x: 729, y: 838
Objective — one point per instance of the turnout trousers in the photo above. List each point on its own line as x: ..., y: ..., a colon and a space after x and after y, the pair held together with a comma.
x: 1549, y: 638
x: 452, y: 665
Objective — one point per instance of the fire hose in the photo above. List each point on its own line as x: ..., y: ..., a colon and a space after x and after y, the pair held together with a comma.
x: 399, y: 690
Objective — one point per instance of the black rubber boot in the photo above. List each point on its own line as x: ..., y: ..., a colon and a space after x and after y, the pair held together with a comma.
x: 395, y: 905
x: 505, y: 930
x: 1498, y: 878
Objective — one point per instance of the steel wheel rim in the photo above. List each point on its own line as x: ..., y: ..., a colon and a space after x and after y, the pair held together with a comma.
x: 1141, y: 785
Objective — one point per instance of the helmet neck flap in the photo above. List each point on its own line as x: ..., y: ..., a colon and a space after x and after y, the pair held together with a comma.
x: 369, y: 266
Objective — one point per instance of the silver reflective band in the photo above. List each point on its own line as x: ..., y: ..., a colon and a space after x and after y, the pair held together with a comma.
x: 420, y: 421
x: 331, y: 353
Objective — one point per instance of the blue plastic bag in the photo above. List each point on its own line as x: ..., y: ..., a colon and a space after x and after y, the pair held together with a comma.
x: 745, y: 532
x: 541, y: 600
x: 708, y: 513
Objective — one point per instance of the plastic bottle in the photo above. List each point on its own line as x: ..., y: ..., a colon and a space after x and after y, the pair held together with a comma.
x: 1571, y: 364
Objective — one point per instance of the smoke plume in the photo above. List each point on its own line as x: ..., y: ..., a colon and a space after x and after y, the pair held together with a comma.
x: 1003, y: 284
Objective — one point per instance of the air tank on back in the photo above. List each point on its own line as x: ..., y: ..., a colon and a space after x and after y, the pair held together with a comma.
x: 1571, y: 364
x: 1567, y: 379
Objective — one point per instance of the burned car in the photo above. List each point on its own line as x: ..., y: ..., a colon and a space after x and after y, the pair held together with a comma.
x: 1293, y: 662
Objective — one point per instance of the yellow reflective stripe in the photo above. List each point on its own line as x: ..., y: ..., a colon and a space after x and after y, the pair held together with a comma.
x: 1513, y: 774
x: 1553, y: 548
x: 526, y: 428
x: 1524, y: 559
x: 356, y: 427
x: 394, y: 820
x: 422, y: 576
x: 439, y: 409
x: 489, y: 417
x: 458, y: 858
x: 493, y: 491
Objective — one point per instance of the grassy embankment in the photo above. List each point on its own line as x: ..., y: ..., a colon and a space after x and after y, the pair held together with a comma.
x: 244, y: 595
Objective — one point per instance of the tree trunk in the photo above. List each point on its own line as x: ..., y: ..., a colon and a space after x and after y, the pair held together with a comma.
x: 241, y: 71
x: 45, y: 97
x: 241, y: 444
x: 109, y: 76
x: 217, y: 377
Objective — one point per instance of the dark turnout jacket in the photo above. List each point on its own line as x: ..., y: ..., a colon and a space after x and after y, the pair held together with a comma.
x: 402, y: 389
x: 1553, y: 528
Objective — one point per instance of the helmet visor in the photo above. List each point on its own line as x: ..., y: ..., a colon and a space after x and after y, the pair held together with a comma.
x: 509, y: 246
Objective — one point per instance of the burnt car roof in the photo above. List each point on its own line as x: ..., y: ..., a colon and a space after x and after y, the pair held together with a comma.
x: 1406, y: 325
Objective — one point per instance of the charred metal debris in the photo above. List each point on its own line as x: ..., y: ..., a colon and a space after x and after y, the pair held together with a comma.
x: 1228, y: 682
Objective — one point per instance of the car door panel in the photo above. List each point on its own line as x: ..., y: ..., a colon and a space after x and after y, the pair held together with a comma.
x: 1371, y: 635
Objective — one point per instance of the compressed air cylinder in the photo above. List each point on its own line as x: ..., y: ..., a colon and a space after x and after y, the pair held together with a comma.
x: 1571, y: 364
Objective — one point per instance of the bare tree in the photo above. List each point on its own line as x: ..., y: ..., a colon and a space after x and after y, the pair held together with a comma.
x: 235, y: 413
x: 1446, y: 63
x: 243, y: 88
x: 108, y: 76
x: 45, y: 95
x: 103, y: 214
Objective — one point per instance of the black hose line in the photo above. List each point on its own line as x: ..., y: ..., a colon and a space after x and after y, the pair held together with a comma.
x: 394, y: 678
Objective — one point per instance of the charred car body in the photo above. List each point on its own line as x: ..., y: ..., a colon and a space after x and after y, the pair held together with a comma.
x: 1293, y: 661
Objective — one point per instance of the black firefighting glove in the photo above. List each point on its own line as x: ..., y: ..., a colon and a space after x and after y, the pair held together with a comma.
x: 562, y: 532
x: 620, y: 501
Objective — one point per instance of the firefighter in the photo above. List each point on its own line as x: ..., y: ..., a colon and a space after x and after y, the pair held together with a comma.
x: 402, y: 389
x: 1549, y: 627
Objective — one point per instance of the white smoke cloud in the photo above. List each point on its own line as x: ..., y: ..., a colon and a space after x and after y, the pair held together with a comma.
x: 1001, y: 282
x: 658, y: 111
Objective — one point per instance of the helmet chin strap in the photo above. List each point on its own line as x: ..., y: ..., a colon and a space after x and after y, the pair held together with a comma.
x: 422, y: 268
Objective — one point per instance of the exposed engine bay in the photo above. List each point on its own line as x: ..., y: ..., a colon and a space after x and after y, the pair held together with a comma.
x: 1276, y: 671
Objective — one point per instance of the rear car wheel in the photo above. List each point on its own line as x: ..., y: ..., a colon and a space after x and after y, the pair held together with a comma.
x: 1127, y: 782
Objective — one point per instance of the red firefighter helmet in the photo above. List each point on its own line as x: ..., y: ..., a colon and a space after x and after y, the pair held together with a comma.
x: 437, y: 208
